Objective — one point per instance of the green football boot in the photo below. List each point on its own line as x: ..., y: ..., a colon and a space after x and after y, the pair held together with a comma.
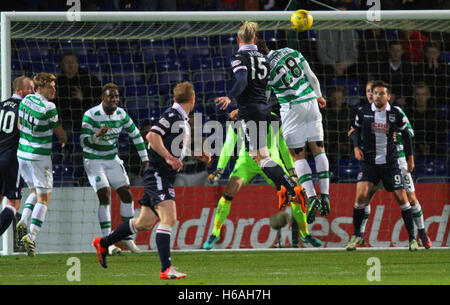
x: 309, y: 239
x: 313, y: 206
x: 354, y: 242
x: 209, y: 244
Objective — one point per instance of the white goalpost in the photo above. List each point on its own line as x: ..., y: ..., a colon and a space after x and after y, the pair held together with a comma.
x: 72, y: 219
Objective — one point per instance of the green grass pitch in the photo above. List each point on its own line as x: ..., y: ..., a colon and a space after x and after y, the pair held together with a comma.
x: 271, y: 267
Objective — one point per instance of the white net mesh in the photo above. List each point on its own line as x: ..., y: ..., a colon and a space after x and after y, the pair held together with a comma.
x: 147, y: 58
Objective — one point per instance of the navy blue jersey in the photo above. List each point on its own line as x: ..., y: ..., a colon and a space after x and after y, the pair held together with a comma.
x: 254, y: 95
x: 9, y: 133
x: 376, y: 129
x: 173, y: 127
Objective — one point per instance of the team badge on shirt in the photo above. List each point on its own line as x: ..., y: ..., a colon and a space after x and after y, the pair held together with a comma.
x: 391, y: 117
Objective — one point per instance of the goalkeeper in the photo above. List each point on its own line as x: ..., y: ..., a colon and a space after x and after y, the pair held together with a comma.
x: 244, y: 171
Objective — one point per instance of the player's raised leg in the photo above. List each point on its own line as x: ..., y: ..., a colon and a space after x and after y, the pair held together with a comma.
x: 287, y: 189
x: 147, y: 218
x: 22, y: 225
x: 127, y: 213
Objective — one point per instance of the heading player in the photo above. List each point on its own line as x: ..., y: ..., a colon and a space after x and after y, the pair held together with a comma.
x: 10, y: 180
x: 298, y: 92
x: 251, y: 72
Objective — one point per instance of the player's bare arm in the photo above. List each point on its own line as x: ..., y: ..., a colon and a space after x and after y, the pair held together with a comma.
x: 61, y: 134
x: 102, y: 131
x: 322, y: 102
x: 359, y: 155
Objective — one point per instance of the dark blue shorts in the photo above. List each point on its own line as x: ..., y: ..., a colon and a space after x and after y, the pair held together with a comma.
x: 256, y: 126
x: 10, y: 181
x: 158, y: 187
x: 389, y: 174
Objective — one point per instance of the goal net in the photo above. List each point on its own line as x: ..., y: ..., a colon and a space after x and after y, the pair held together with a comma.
x: 146, y: 54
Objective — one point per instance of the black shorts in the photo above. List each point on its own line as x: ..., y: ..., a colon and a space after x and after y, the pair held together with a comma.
x: 389, y: 174
x: 256, y: 127
x: 158, y: 187
x: 10, y: 181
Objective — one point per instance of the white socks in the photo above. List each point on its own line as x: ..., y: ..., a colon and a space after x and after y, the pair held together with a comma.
x: 304, y: 174
x: 37, y: 219
x: 104, y: 218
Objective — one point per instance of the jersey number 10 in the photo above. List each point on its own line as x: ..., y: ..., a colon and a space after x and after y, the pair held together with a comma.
x: 7, y: 121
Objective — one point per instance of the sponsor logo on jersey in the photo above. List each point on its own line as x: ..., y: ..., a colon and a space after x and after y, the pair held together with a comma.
x: 380, y: 127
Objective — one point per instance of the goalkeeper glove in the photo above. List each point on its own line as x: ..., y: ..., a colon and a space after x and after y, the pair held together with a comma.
x: 215, y: 175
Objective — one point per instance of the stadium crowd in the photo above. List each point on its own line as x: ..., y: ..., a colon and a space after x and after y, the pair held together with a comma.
x: 219, y: 5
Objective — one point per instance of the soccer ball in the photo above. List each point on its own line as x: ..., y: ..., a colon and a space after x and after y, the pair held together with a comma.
x: 301, y: 20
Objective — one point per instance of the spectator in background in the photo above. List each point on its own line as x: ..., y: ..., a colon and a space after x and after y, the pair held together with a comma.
x: 338, y: 118
x: 428, y: 123
x: 159, y: 5
x: 396, y: 72
x: 435, y: 72
x: 337, y: 50
x: 413, y: 43
x: 372, y: 48
x: 77, y: 91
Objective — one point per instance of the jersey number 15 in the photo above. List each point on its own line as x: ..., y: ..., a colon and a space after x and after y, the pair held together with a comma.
x: 259, y: 69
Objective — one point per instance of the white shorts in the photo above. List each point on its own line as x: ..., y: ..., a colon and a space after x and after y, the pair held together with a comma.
x: 406, y: 176
x: 301, y: 123
x: 106, y: 173
x: 37, y: 174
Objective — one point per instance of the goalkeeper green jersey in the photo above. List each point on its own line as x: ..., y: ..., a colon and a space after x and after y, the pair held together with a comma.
x: 288, y: 78
x: 105, y: 147
x: 275, y: 144
x: 399, y: 142
x: 37, y: 118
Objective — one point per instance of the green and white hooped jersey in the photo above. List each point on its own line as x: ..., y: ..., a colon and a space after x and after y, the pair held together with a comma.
x: 37, y: 118
x: 287, y: 77
x: 105, y: 147
x: 399, y: 141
